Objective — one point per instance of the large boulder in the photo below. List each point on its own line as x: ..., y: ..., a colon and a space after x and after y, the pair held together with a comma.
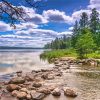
x: 56, y: 92
x: 37, y: 96
x: 17, y: 80
x: 12, y: 87
x: 70, y: 92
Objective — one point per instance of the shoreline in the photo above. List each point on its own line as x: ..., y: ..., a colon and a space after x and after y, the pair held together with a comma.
x: 37, y: 81
x: 41, y: 83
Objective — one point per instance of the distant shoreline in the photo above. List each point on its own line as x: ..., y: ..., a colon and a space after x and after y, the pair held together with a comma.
x: 4, y: 47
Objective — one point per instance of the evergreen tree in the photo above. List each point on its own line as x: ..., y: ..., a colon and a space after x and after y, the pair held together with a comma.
x: 85, y: 43
x: 94, y: 21
x: 84, y: 20
x: 95, y: 26
x: 75, y: 34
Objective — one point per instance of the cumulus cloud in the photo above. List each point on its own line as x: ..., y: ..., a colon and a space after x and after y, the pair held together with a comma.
x: 32, y: 16
x: 57, y: 16
x: 37, y: 32
x: 4, y: 27
x: 94, y: 4
x: 27, y: 25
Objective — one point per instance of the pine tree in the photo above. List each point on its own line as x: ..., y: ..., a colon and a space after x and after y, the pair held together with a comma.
x: 75, y: 34
x: 85, y: 43
x: 95, y: 26
x: 84, y: 20
x: 94, y: 21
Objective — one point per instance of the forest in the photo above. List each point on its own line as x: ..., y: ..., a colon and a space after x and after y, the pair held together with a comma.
x: 85, y: 38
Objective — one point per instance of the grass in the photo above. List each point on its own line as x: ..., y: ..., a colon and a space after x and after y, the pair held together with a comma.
x: 49, y: 55
x: 95, y: 55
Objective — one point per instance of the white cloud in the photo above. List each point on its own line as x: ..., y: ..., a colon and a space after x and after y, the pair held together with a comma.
x: 32, y: 16
x: 76, y: 15
x: 37, y: 32
x: 27, y: 25
x: 66, y: 33
x: 94, y: 4
x: 70, y: 28
x: 4, y: 27
x: 57, y: 16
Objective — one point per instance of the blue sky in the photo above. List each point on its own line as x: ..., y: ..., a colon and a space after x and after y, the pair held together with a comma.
x: 53, y: 19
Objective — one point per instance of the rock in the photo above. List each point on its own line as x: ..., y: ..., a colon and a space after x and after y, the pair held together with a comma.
x: 59, y: 74
x: 28, y: 78
x: 50, y: 77
x: 0, y: 94
x: 56, y: 92
x: 37, y: 84
x: 44, y: 70
x: 17, y: 80
x: 56, y: 62
x: 28, y: 96
x: 14, y: 93
x: 12, y: 87
x: 19, y: 73
x: 44, y: 90
x: 70, y: 92
x: 37, y: 96
x: 21, y: 95
x: 44, y: 76
x: 24, y: 90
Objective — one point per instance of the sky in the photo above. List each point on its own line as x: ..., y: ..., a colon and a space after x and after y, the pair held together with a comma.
x: 53, y: 18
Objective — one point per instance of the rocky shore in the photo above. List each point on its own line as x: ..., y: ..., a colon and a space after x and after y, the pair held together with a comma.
x: 37, y: 85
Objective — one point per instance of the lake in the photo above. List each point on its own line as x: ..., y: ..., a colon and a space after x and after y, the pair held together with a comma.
x: 13, y: 60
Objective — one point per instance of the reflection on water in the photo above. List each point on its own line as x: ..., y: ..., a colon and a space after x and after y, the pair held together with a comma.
x: 26, y: 60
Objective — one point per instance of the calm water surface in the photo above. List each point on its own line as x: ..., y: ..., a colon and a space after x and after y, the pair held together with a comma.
x: 26, y: 60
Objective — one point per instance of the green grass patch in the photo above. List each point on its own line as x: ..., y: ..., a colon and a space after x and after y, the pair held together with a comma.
x: 49, y: 55
x: 95, y: 55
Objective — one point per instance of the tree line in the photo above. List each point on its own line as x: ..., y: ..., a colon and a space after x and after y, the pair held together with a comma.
x: 85, y: 37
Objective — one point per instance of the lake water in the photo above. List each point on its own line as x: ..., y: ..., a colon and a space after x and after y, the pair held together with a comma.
x: 21, y: 59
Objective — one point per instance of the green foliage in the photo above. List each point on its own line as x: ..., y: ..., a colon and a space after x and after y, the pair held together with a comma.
x: 57, y: 54
x: 85, y: 37
x: 84, y: 20
x: 59, y: 43
x: 94, y: 21
x: 85, y: 43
